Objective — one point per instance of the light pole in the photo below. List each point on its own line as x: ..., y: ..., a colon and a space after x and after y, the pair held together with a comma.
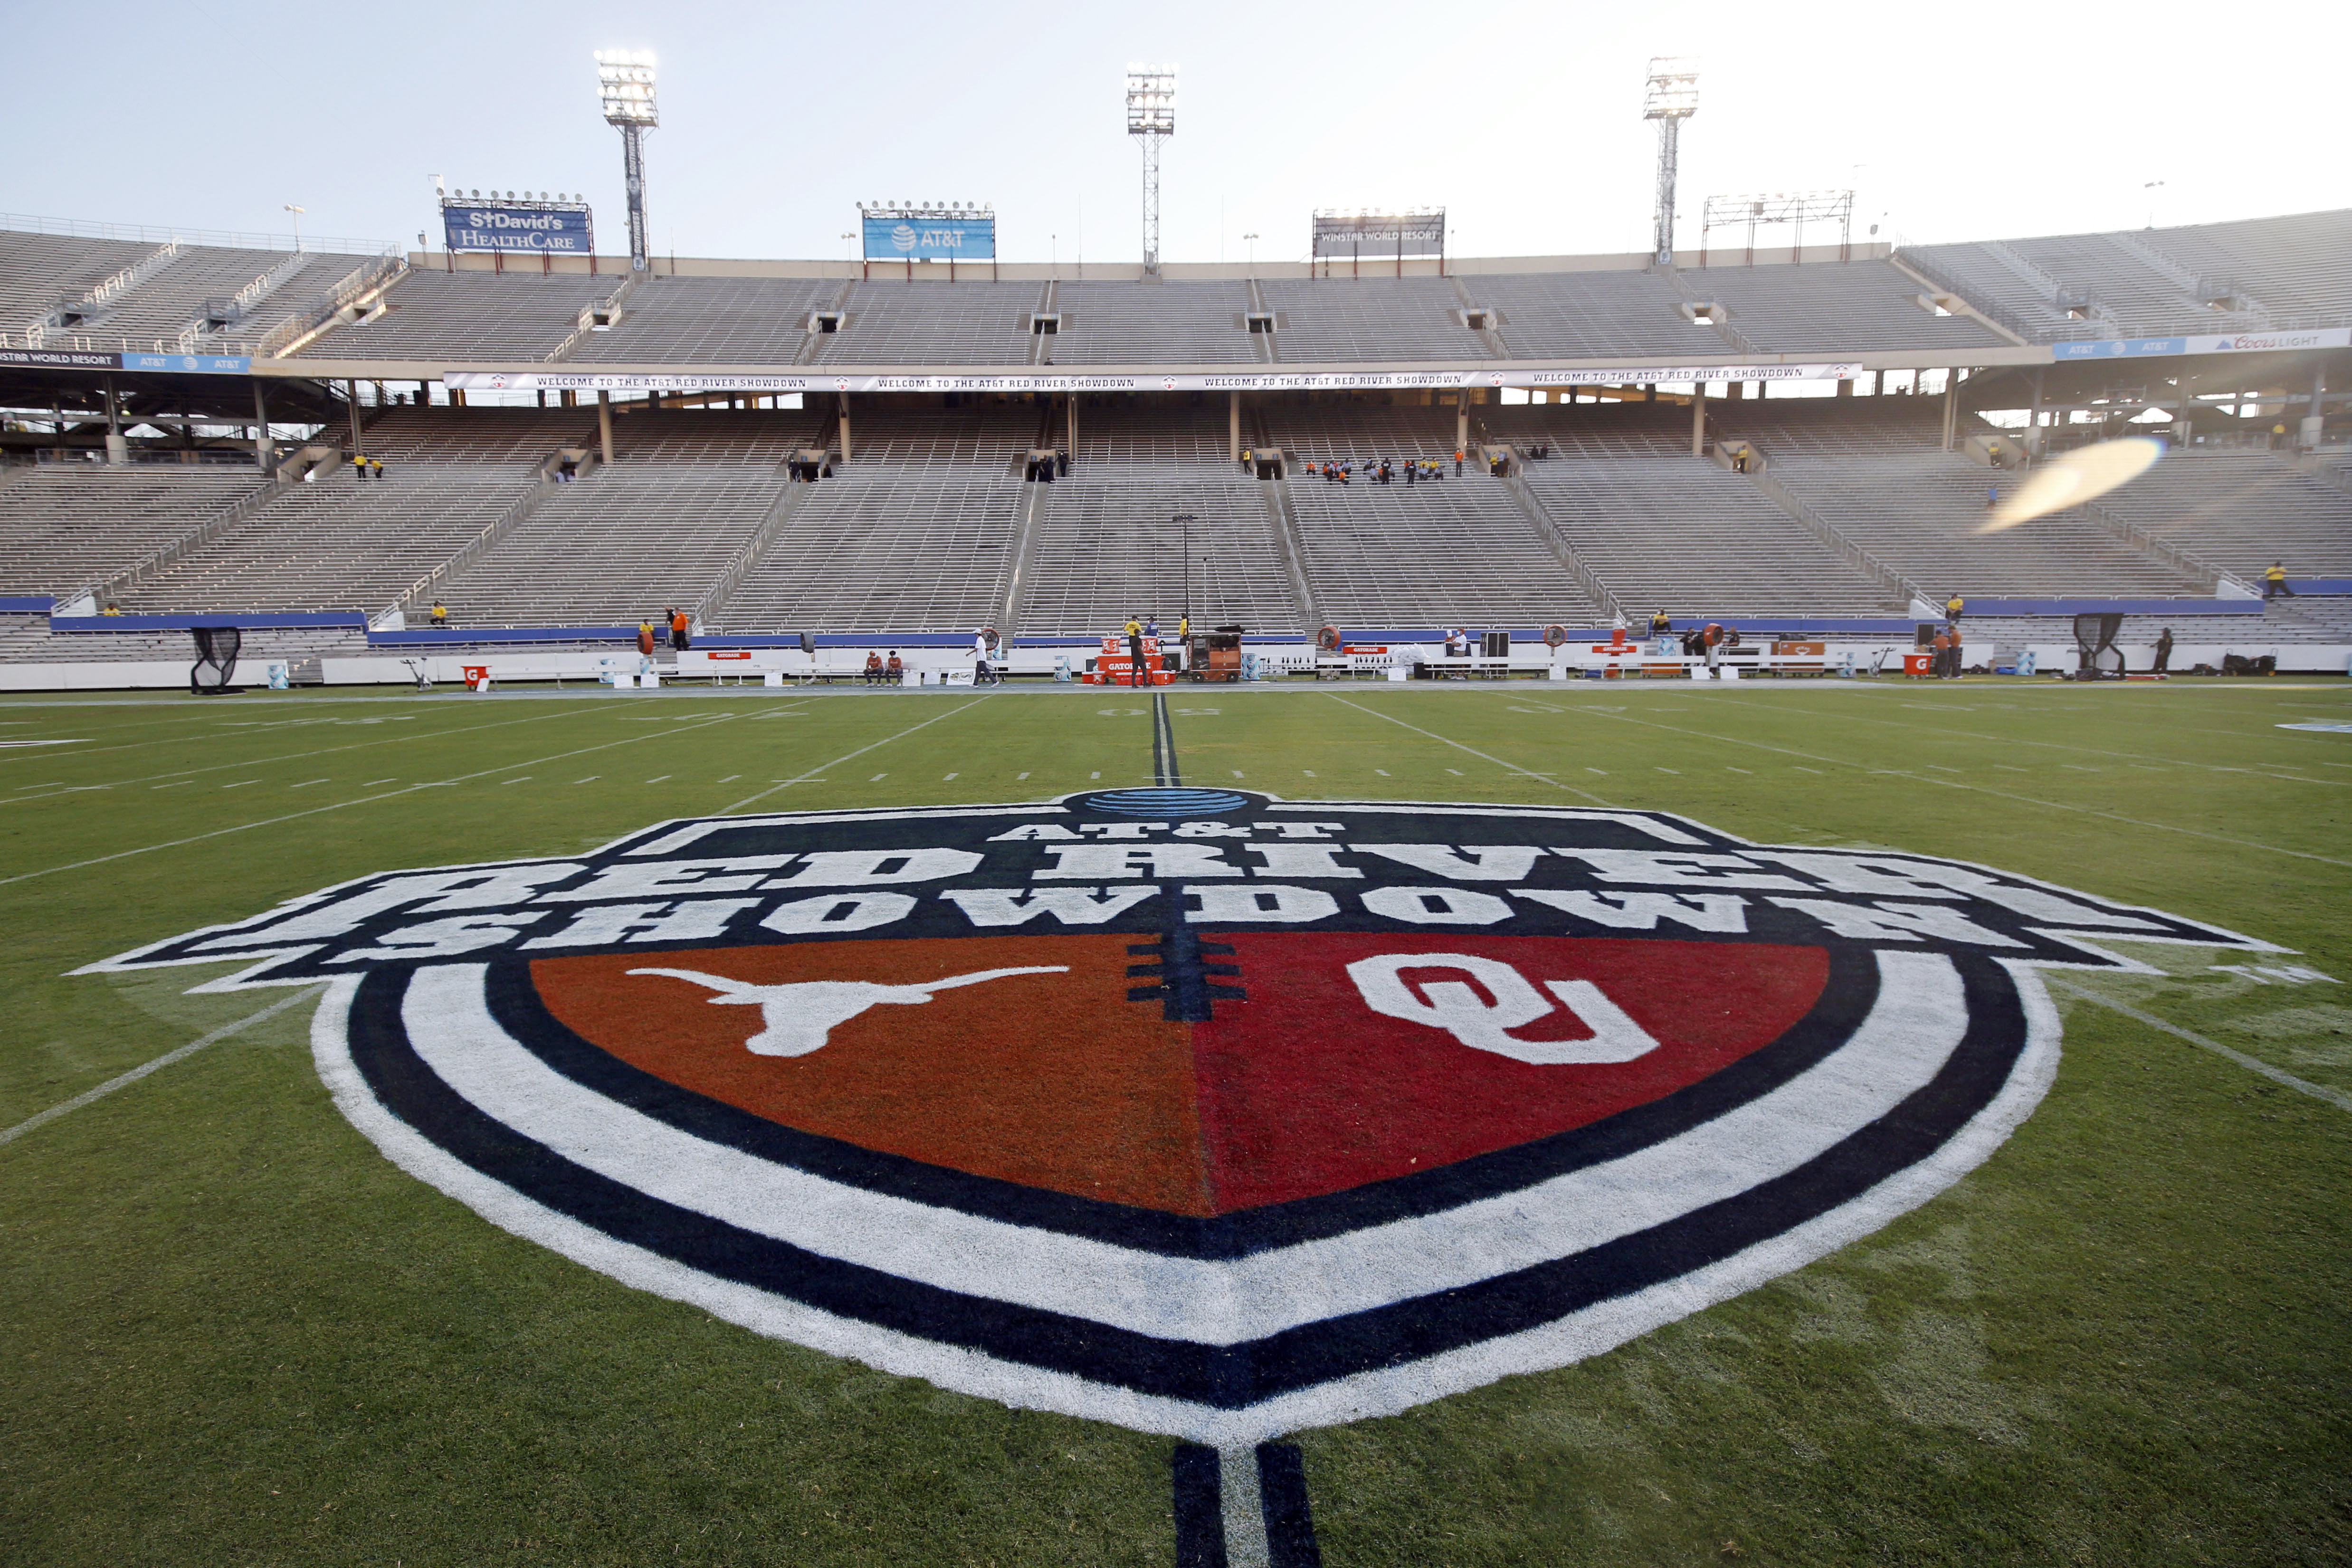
x: 625, y: 86
x: 1253, y: 251
x: 1186, y: 519
x: 1151, y: 115
x: 298, y: 213
x: 2152, y: 185
x: 1671, y: 98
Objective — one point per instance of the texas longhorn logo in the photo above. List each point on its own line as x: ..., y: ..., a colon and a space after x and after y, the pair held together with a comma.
x: 1197, y: 1111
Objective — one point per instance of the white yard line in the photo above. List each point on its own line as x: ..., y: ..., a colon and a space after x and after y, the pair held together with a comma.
x: 1506, y: 767
x: 2335, y: 1097
x: 307, y: 993
x: 810, y: 777
x: 355, y: 800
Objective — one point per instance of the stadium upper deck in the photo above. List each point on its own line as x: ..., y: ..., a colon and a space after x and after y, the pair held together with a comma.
x: 1982, y: 303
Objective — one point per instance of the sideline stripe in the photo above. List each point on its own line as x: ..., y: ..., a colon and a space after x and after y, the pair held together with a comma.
x: 2335, y: 1097
x: 1289, y: 1526
x: 1200, y: 1522
x: 362, y: 800
x: 1164, y: 773
x: 1506, y: 767
x: 817, y: 772
x: 1930, y: 779
x: 307, y: 993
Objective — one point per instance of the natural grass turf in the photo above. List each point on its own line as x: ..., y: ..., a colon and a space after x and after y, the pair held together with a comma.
x: 237, y: 1334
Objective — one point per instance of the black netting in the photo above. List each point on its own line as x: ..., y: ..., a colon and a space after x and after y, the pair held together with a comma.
x: 215, y: 662
x: 2095, y: 639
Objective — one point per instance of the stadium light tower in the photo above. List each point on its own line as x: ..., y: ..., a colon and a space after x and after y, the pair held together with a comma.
x: 1671, y: 98
x: 1151, y: 115
x: 624, y: 81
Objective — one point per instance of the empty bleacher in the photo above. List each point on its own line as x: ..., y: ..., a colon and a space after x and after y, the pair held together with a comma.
x: 1383, y: 556
x: 1681, y: 534
x: 66, y: 526
x: 976, y: 437
x: 1829, y: 307
x: 1170, y: 324
x: 2242, y: 510
x: 933, y: 323
x: 1128, y: 432
x: 1880, y: 479
x: 710, y: 320
x: 1570, y: 315
x: 516, y: 438
x: 173, y: 299
x: 462, y: 316
x: 687, y: 489
x: 882, y: 554
x: 1338, y: 432
x: 1327, y: 320
x: 1106, y: 547
x: 39, y: 272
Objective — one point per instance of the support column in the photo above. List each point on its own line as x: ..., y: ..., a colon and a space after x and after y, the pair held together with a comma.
x: 1952, y: 406
x: 352, y: 392
x: 1232, y: 427
x: 604, y: 425
x: 1698, y: 419
x: 262, y: 452
x: 2313, y: 420
x: 1462, y: 419
x: 117, y: 451
x: 1070, y: 427
x: 844, y: 429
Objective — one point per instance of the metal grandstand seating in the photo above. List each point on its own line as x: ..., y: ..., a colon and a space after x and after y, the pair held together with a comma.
x: 1104, y: 549
x: 1573, y: 314
x: 172, y: 301
x: 1174, y: 323
x: 39, y: 272
x: 2242, y: 510
x: 2299, y: 266
x: 336, y: 543
x: 710, y: 320
x: 64, y: 527
x: 974, y: 438
x: 687, y: 491
x: 933, y: 323
x: 1681, y: 534
x: 882, y: 555
x: 1337, y: 319
x: 1400, y: 556
x: 1880, y: 481
x: 1360, y: 432
x: 431, y: 315
x: 516, y: 438
x: 1828, y: 308
x: 1120, y: 432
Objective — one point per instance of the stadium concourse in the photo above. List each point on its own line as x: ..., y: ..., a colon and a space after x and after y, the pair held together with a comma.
x: 851, y: 452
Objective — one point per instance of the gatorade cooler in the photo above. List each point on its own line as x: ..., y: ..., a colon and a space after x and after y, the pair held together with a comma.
x: 1918, y: 664
x: 477, y: 677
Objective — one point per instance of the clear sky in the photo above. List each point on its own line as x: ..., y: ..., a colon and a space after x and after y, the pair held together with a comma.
x: 1524, y: 121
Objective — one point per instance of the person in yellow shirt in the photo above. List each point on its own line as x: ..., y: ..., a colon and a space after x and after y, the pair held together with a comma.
x: 1135, y: 676
x: 440, y: 615
x: 1952, y: 607
x: 2274, y: 581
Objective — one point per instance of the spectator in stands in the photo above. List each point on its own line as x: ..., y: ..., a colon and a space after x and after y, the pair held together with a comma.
x: 568, y: 470
x: 895, y: 672
x: 1457, y: 463
x: 1151, y: 627
x: 874, y: 671
x: 376, y: 465
x: 1134, y: 652
x: 2163, y: 652
x: 1411, y: 472
x: 1246, y: 459
x: 359, y: 466
x: 1661, y: 623
x: 440, y: 615
x: 2274, y: 581
x: 1993, y: 497
x: 1952, y: 607
x: 678, y: 627
x: 112, y: 609
x: 646, y: 638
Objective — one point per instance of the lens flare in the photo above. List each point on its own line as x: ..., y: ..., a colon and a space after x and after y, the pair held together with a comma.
x: 2074, y: 478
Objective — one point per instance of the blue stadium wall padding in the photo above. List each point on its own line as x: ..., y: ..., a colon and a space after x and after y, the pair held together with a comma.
x: 429, y: 636
x: 23, y: 605
x: 183, y: 622
x: 2320, y: 584
x: 2115, y: 607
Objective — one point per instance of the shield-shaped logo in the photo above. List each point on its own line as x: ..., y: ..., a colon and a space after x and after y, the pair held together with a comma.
x: 1197, y: 1111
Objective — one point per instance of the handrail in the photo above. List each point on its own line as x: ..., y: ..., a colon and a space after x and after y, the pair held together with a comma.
x: 473, y: 550
x: 1822, y: 529
x: 295, y: 331
x: 164, y: 554
x: 1284, y: 516
x: 2197, y: 569
x: 1532, y: 507
x: 139, y: 234
x: 1999, y: 315
x: 120, y: 283
x: 586, y: 323
x: 779, y: 514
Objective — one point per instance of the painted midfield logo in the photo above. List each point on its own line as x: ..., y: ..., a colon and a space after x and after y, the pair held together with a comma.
x: 1196, y: 1111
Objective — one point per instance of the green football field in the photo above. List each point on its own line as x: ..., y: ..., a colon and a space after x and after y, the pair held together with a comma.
x: 236, y: 1333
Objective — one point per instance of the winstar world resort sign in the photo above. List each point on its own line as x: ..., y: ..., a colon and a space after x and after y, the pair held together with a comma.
x: 1196, y: 1111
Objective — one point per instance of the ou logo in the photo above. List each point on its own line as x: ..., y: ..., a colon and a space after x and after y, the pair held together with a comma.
x: 1457, y: 1007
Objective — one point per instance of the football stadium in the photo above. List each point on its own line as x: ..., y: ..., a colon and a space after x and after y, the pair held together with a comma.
x: 491, y: 729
